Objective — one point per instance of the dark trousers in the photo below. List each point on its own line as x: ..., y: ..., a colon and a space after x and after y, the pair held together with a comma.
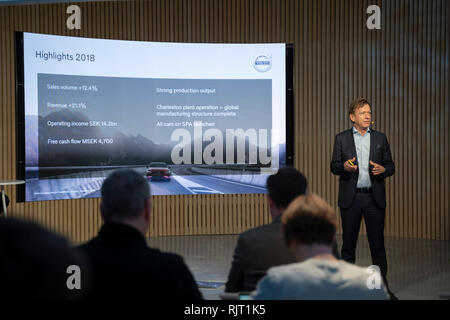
x: 364, y: 205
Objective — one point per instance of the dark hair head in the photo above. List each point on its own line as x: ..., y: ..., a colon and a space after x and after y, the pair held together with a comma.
x: 309, y: 219
x: 356, y: 104
x: 124, y: 194
x: 285, y: 186
x: 34, y: 262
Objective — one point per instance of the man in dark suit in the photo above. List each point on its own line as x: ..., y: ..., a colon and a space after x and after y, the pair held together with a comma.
x: 362, y: 159
x: 263, y: 247
x: 122, y: 263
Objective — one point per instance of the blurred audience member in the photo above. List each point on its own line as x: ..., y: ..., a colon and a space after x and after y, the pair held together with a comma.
x: 309, y: 228
x: 123, y: 265
x: 263, y: 247
x: 34, y: 263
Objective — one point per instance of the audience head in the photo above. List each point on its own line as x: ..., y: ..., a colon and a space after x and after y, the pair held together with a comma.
x: 126, y: 199
x: 283, y: 187
x: 308, y: 223
x: 34, y: 262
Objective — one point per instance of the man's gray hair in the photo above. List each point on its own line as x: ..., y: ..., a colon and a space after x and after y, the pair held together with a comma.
x: 124, y: 194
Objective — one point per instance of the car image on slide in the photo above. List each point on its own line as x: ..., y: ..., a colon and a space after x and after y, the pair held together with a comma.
x: 158, y: 171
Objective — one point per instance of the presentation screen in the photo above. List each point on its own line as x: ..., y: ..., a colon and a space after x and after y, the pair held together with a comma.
x: 192, y: 118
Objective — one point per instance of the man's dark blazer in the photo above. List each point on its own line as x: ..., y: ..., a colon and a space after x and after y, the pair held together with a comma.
x: 124, y: 266
x: 380, y: 152
x: 257, y: 250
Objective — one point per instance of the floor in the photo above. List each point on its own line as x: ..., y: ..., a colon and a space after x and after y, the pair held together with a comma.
x: 418, y: 269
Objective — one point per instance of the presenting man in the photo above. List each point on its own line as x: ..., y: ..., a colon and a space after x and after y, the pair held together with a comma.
x: 362, y: 159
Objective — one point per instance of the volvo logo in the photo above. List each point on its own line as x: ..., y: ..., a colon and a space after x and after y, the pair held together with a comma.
x: 263, y: 63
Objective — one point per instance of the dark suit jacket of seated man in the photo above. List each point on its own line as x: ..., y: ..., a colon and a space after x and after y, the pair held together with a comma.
x: 263, y: 247
x: 123, y: 265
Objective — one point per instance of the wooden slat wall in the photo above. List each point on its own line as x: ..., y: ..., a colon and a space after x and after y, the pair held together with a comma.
x: 403, y: 69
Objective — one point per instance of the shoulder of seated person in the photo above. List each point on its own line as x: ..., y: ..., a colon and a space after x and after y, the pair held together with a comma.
x: 353, y: 268
x: 168, y: 257
x: 164, y: 254
x: 289, y: 274
x: 306, y: 267
x: 286, y: 269
x: 85, y: 246
x: 257, y: 230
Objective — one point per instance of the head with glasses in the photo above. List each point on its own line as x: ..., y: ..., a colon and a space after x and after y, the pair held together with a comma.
x: 126, y: 199
x: 360, y: 113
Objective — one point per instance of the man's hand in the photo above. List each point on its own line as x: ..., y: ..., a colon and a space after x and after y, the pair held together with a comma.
x: 377, y: 169
x: 348, y: 167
